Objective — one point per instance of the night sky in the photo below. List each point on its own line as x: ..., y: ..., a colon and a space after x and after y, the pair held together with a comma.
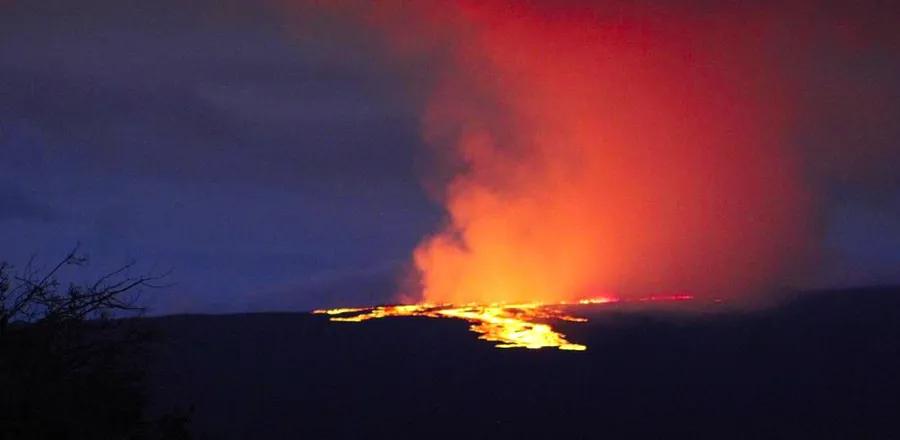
x: 275, y: 163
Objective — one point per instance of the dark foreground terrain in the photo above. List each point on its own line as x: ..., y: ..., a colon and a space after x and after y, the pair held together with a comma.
x: 826, y: 365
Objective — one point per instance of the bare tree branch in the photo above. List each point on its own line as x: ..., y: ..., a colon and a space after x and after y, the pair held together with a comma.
x: 32, y: 296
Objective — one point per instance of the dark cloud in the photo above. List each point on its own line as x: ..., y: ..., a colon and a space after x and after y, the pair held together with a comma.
x: 208, y: 138
x: 265, y: 106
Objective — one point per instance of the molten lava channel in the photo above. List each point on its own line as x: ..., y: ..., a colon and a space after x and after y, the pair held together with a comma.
x: 508, y: 325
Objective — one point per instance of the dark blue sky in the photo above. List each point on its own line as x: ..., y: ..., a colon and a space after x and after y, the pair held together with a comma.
x: 277, y: 167
x: 266, y: 170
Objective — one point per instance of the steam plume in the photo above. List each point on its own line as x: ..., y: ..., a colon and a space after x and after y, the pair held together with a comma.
x: 626, y: 147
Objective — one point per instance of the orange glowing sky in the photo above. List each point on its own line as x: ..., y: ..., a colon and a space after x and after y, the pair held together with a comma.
x: 592, y: 147
x: 601, y: 153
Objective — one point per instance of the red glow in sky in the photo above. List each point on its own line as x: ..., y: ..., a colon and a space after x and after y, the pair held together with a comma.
x: 606, y: 146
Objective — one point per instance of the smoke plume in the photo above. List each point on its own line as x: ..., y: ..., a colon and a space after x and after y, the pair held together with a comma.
x: 626, y: 147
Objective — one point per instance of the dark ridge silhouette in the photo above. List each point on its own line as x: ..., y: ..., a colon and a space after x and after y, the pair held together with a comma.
x: 824, y: 365
x: 69, y: 368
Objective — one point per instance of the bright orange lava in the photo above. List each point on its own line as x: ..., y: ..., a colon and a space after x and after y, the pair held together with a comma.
x: 509, y: 325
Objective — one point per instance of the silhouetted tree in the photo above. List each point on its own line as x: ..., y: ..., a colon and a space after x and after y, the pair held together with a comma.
x: 71, y: 364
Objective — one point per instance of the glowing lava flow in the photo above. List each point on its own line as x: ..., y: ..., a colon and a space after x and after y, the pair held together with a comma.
x: 509, y: 325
